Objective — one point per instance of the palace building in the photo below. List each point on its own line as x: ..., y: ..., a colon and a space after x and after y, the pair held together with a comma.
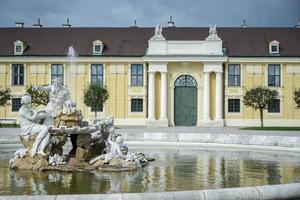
x: 171, y: 76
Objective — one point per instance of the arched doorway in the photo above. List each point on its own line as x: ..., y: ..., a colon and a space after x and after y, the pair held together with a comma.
x: 185, y: 101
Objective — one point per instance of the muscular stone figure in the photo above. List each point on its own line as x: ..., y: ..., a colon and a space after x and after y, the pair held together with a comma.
x: 29, y: 126
x: 59, y: 96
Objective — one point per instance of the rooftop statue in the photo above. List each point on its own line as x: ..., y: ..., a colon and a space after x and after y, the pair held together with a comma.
x: 158, y: 33
x: 213, y: 35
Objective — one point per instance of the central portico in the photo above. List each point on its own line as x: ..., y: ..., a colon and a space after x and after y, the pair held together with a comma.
x: 185, y: 81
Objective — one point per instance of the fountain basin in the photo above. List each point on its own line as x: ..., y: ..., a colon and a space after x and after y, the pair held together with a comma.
x: 175, y: 169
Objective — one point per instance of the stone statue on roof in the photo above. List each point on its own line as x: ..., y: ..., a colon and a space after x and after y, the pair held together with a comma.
x: 158, y: 33
x: 213, y: 35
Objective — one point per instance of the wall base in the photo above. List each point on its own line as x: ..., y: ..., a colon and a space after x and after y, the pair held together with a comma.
x: 267, y: 122
x: 162, y: 122
x: 211, y: 123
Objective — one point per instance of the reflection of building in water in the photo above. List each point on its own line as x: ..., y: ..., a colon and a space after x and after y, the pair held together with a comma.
x: 289, y: 172
x: 232, y: 172
x: 169, y: 171
x: 172, y: 170
x: 202, y: 170
x: 5, y: 181
x: 254, y: 173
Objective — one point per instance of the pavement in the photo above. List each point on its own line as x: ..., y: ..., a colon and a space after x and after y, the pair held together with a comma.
x: 11, y: 135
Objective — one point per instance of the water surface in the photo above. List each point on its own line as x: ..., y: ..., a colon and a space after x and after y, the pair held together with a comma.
x: 174, y: 170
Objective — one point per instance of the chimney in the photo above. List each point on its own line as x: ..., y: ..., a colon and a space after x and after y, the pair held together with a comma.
x: 244, y: 25
x: 298, y: 25
x: 134, y: 24
x: 67, y: 24
x: 171, y: 22
x: 19, y: 24
x: 38, y: 24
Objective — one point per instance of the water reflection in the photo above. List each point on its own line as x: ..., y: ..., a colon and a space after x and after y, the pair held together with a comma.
x: 184, y: 169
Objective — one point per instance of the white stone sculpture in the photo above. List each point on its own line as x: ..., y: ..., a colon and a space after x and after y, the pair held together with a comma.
x: 56, y: 160
x: 60, y: 100
x: 115, y: 150
x: 137, y: 157
x: 103, y: 125
x: 21, y: 153
x: 28, y: 122
x: 213, y: 35
x: 158, y: 33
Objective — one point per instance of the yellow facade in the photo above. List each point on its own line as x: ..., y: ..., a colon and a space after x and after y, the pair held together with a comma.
x: 255, y: 74
x: 117, y: 77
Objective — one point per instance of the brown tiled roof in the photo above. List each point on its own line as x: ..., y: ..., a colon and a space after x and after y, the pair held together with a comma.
x: 134, y: 41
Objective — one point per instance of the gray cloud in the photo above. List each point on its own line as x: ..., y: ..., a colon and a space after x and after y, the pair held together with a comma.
x: 151, y: 12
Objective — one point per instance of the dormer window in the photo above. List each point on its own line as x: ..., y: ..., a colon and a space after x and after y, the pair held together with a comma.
x: 98, y: 47
x: 274, y: 47
x: 18, y: 47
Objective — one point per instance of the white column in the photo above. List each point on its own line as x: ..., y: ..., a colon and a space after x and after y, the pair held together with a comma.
x: 219, y: 96
x: 163, y: 96
x: 206, y: 96
x: 151, y: 96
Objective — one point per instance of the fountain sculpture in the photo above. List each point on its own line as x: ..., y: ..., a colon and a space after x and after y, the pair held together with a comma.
x: 96, y: 145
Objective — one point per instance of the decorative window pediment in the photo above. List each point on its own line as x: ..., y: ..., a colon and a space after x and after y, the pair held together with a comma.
x: 98, y: 47
x: 19, y: 47
x: 274, y: 47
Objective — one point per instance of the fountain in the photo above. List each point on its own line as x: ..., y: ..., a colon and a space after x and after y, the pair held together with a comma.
x: 72, y: 55
x: 44, y: 133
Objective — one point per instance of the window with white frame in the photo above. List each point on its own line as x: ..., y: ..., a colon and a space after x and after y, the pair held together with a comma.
x: 234, y: 75
x: 57, y: 71
x: 274, y: 107
x: 17, y: 74
x: 98, y: 47
x: 97, y: 74
x: 274, y: 75
x: 234, y: 105
x: 18, y: 47
x: 137, y: 75
x: 136, y: 105
x: 274, y: 47
x: 15, y: 104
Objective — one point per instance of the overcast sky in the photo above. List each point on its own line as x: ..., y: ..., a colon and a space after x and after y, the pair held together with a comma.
x: 150, y: 12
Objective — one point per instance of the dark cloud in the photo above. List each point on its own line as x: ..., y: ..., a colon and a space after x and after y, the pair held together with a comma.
x: 150, y: 12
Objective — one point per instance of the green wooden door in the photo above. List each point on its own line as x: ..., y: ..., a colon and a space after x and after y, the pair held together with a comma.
x: 185, y: 105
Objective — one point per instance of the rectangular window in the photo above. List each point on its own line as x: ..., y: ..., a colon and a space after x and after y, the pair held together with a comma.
x: 57, y: 71
x: 98, y: 109
x: 274, y: 75
x: 18, y: 48
x: 136, y: 105
x: 97, y: 74
x: 137, y: 74
x: 275, y: 107
x: 15, y: 104
x: 17, y: 74
x: 274, y: 49
x: 234, y: 75
x: 97, y: 48
x: 233, y: 105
